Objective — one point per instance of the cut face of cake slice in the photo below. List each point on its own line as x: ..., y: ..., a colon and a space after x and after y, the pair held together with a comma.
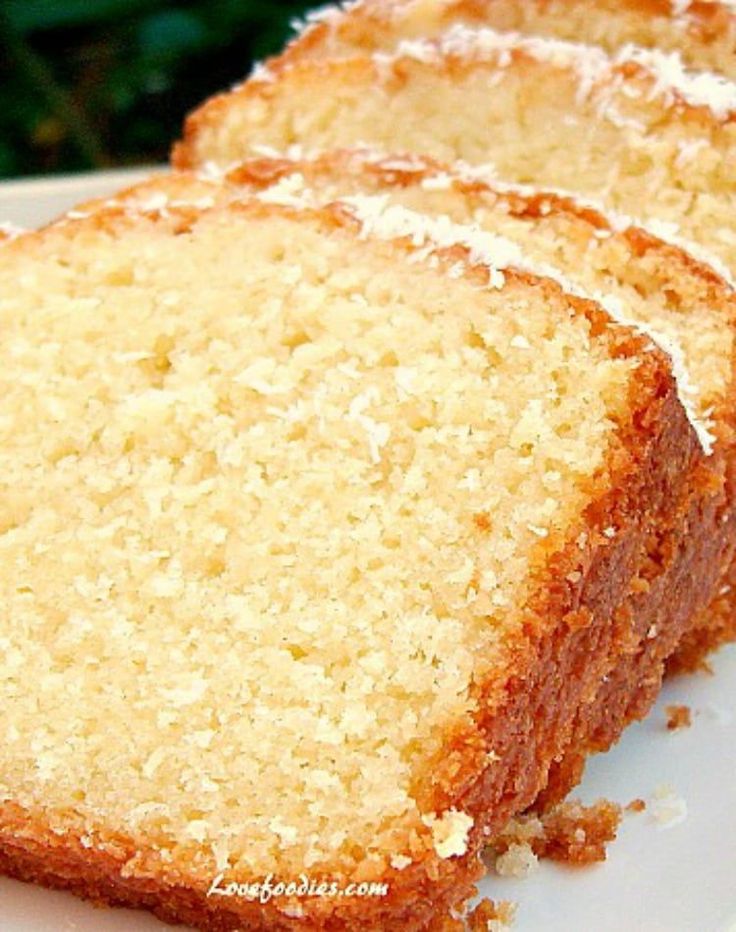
x: 703, y: 34
x: 684, y: 303
x: 681, y: 303
x: 636, y: 134
x: 316, y: 530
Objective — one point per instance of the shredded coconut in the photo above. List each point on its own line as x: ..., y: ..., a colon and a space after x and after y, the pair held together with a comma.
x: 687, y: 391
x: 402, y: 164
x: 700, y: 89
x: 261, y: 72
x: 400, y: 861
x: 379, y: 217
x: 441, y: 182
x: 288, y: 191
x: 214, y: 171
x: 295, y: 152
x: 670, y: 79
x: 670, y: 233
x: 329, y: 13
x: 156, y: 201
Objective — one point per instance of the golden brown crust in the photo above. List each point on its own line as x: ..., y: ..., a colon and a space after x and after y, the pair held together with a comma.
x: 631, y: 688
x: 573, y: 637
x: 714, y: 629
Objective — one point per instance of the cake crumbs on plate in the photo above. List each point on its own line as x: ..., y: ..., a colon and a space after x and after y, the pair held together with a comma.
x: 492, y: 916
x: 678, y: 716
x: 569, y: 832
x: 667, y: 808
x: 519, y: 860
x: 636, y: 805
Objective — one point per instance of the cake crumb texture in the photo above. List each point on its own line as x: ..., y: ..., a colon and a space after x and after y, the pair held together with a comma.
x: 678, y: 716
x: 569, y: 832
x: 492, y: 916
x: 519, y: 860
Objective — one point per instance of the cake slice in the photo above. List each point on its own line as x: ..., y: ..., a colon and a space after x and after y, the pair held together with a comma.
x: 320, y: 528
x: 655, y: 283
x: 702, y: 33
x: 643, y: 138
x: 682, y: 303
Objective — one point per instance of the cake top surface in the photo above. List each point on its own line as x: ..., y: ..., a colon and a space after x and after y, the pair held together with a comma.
x: 680, y: 11
x: 671, y: 80
x: 470, y: 39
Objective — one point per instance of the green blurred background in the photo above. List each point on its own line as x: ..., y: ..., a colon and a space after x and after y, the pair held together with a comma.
x: 88, y: 84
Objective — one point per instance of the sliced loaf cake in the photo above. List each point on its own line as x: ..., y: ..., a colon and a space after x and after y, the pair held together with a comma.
x: 646, y: 141
x: 682, y: 303
x: 324, y: 526
x: 702, y: 33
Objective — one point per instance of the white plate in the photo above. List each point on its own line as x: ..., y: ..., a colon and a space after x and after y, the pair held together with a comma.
x: 676, y: 879
x: 32, y: 203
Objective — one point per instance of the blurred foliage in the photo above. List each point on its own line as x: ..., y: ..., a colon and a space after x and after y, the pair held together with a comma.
x: 95, y: 83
